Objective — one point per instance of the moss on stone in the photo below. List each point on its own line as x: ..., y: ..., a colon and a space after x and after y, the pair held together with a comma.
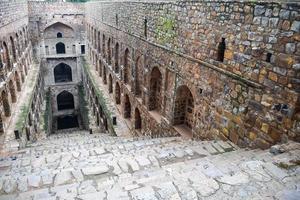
x: 165, y: 31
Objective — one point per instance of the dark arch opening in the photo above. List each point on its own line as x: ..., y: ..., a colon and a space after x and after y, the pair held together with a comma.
x: 18, y: 82
x: 65, y: 101
x: 118, y: 93
x: 108, y: 52
x: 127, y: 107
x: 155, y: 89
x: 13, y: 47
x: 126, y: 66
x: 59, y: 35
x: 12, y: 91
x: 184, y: 107
x: 62, y: 73
x: 110, y: 87
x: 5, y: 103
x: 67, y: 122
x: 137, y: 76
x: 117, y: 58
x: 6, y: 56
x: 221, y: 50
x: 137, y: 119
x: 60, y: 48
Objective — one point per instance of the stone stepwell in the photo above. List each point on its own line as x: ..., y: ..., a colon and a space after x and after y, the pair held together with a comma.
x: 77, y: 165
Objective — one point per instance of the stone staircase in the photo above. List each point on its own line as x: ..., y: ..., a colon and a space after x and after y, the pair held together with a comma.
x: 78, y: 165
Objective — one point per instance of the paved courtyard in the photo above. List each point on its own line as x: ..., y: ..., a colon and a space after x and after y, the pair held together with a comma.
x: 81, y: 166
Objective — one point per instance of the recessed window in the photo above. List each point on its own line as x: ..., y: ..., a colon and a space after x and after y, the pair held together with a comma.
x: 59, y: 35
x: 269, y: 56
x: 145, y: 27
x: 82, y: 49
x: 221, y: 50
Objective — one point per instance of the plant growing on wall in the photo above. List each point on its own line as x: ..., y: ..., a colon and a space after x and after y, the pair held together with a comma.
x: 165, y: 32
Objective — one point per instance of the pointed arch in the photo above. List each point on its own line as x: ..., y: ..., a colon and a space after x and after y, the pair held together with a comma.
x: 18, y: 82
x: 12, y: 91
x: 117, y: 93
x: 5, y: 103
x: 110, y: 86
x: 13, y: 48
x: 6, y: 56
x: 108, y: 52
x: 155, y: 96
x: 127, y: 107
x: 138, y: 66
x: 62, y: 73
x: 60, y: 48
x: 184, y: 107
x: 117, y: 58
x: 65, y: 101
x: 137, y: 119
x: 126, y: 65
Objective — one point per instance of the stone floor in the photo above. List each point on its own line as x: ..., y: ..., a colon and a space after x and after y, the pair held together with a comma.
x: 79, y: 166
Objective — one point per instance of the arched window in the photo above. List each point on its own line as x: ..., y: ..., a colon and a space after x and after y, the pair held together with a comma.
x: 138, y: 67
x: 13, y: 48
x: 117, y: 58
x: 60, y: 48
x: 6, y: 56
x: 127, y: 107
x: 12, y: 91
x: 108, y: 52
x: 110, y: 87
x: 221, y: 50
x: 59, y: 35
x: 65, y: 101
x: 117, y: 93
x: 184, y: 107
x: 5, y: 103
x: 155, y: 90
x: 126, y: 66
x: 18, y: 82
x: 62, y: 73
x: 137, y: 119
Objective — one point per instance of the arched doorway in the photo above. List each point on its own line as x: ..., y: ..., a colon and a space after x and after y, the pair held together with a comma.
x: 13, y: 48
x: 184, y: 107
x: 5, y: 103
x: 137, y: 119
x: 221, y: 50
x: 18, y: 82
x: 118, y: 93
x: 6, y: 56
x: 103, y: 45
x: 127, y: 107
x: 104, y: 75
x: 108, y: 52
x: 117, y: 58
x: 110, y: 87
x: 12, y: 91
x: 62, y: 73
x: 155, y: 90
x: 60, y: 48
x: 126, y: 66
x: 65, y: 101
x: 137, y: 76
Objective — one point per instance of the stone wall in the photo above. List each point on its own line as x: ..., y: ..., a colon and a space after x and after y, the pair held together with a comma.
x: 239, y: 61
x: 59, y: 35
x: 15, y: 56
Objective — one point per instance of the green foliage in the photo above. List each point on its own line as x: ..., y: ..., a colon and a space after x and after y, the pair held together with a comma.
x: 165, y: 32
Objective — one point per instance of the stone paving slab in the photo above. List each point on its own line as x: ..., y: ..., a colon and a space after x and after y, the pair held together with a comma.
x: 99, y: 166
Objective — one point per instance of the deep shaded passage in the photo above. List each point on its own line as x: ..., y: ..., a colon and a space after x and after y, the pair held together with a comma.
x: 67, y: 122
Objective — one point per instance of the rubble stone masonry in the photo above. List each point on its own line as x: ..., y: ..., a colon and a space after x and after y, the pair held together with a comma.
x: 212, y: 69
